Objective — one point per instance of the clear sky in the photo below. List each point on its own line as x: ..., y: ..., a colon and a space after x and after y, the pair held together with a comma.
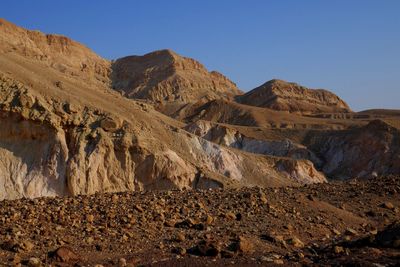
x: 351, y: 47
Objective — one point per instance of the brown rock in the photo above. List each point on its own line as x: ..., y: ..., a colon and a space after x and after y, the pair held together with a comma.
x: 338, y: 249
x: 243, y: 245
x: 65, y: 254
x: 90, y: 218
x: 110, y: 124
x: 388, y: 205
x: 230, y: 215
x: 180, y: 251
x: 296, y: 242
x: 180, y: 237
x: 34, y: 262
x: 207, y: 248
x: 350, y: 231
x: 122, y: 262
x: 209, y: 219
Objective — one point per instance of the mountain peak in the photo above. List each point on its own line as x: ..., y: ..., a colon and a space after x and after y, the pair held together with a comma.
x: 57, y: 51
x: 164, y: 75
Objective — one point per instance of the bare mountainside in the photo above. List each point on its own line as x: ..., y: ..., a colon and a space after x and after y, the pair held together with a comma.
x: 66, y: 132
x: 282, y: 175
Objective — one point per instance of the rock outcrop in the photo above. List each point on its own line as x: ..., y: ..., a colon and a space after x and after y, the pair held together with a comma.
x: 365, y: 152
x: 225, y: 136
x: 57, y: 51
x: 57, y: 147
x: 291, y: 97
x: 166, y: 76
x: 65, y: 131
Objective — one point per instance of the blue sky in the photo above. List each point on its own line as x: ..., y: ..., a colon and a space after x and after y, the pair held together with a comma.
x: 351, y: 47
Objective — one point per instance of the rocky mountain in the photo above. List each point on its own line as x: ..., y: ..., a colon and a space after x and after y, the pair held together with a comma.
x: 67, y: 132
x: 155, y: 161
x: 166, y: 76
x: 284, y: 96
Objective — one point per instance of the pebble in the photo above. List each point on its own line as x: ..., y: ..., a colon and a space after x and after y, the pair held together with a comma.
x: 65, y: 254
x: 122, y: 262
x: 34, y: 262
x: 388, y: 205
x: 296, y: 242
x: 338, y: 249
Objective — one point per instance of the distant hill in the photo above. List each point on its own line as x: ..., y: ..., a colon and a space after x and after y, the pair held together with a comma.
x: 291, y: 97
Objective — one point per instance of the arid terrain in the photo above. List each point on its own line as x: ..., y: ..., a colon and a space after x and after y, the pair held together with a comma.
x: 155, y: 160
x: 354, y: 223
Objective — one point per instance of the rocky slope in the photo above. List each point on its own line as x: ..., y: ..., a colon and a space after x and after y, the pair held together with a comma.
x: 230, y: 137
x: 68, y: 133
x: 364, y: 152
x: 166, y: 76
x: 331, y: 224
x: 52, y: 148
x: 284, y: 96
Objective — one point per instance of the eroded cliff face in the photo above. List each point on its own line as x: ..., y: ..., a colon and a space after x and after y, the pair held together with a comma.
x: 372, y: 150
x: 50, y: 147
x: 228, y: 137
x: 297, y: 162
x: 33, y: 158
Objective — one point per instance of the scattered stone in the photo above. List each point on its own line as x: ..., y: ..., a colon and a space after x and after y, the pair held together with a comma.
x: 170, y: 223
x: 16, y: 260
x: 122, y: 262
x: 110, y: 124
x: 388, y: 205
x: 296, y: 242
x: 243, y: 245
x: 350, y: 231
x: 190, y: 224
x: 311, y: 197
x: 25, y: 245
x: 338, y: 249
x: 209, y: 219
x: 34, y: 262
x: 207, y: 248
x: 179, y: 250
x: 180, y: 237
x: 65, y: 254
x: 336, y: 232
x: 90, y: 218
x: 230, y: 215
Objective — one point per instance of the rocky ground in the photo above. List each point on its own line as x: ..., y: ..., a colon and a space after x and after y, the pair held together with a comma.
x: 344, y: 223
